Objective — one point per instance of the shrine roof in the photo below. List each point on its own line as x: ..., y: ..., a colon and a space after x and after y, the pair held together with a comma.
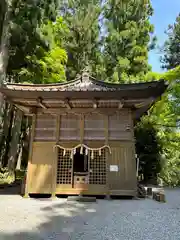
x: 84, y: 88
x: 84, y: 83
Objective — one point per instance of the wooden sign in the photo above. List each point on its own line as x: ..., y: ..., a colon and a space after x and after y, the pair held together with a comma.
x: 114, y: 168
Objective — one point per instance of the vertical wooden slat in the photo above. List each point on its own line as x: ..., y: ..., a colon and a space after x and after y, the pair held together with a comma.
x: 133, y: 165
x: 57, y: 128
x: 30, y: 153
x: 131, y: 124
x: 82, y: 128
x: 54, y: 168
x: 32, y: 137
x: 106, y: 128
x: 94, y: 127
x: 70, y: 127
x: 45, y: 128
x: 126, y: 159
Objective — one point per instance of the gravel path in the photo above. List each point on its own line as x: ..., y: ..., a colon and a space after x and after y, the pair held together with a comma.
x: 25, y: 219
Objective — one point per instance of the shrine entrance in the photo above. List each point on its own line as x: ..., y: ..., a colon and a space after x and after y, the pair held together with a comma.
x: 80, y: 170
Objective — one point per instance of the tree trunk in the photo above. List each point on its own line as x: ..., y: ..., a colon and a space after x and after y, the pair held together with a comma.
x: 4, y: 42
x: 7, y: 126
x: 13, y: 151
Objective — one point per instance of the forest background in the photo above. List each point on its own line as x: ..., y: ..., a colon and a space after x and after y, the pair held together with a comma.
x: 53, y: 41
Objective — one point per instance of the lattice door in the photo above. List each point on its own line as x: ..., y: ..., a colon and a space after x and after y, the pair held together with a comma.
x: 64, y: 166
x: 97, y: 168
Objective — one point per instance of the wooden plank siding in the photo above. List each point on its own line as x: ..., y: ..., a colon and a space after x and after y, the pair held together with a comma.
x: 86, y: 127
x: 122, y: 156
x: 45, y: 129
x: 118, y: 133
x: 41, y: 168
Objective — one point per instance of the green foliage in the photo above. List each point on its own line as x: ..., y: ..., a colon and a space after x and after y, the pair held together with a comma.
x: 50, y: 68
x: 148, y: 149
x: 31, y: 48
x: 165, y: 115
x: 5, y: 178
x: 171, y: 158
x: 83, y: 41
x: 171, y: 58
x: 112, y: 37
x: 127, y: 41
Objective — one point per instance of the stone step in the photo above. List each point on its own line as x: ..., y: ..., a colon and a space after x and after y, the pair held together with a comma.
x: 81, y: 199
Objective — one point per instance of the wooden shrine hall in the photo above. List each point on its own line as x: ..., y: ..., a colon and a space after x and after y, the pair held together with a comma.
x: 82, y: 137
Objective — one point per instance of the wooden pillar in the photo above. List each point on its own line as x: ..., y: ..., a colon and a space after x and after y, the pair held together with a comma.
x: 28, y: 174
x: 106, y: 127
x: 54, y: 167
x: 81, y: 141
x: 135, y: 177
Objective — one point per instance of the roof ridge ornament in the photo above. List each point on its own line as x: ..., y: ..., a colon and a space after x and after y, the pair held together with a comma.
x: 85, y: 74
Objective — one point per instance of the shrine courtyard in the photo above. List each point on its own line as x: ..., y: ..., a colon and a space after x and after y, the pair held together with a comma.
x: 45, y: 219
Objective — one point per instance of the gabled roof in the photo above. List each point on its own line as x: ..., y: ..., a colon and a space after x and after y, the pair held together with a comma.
x: 83, y: 83
x: 84, y: 88
x: 79, y: 87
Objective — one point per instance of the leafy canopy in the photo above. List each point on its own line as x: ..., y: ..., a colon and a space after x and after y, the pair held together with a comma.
x: 50, y: 68
x: 171, y: 57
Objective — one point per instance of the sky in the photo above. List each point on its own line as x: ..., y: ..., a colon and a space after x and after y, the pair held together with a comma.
x: 165, y: 13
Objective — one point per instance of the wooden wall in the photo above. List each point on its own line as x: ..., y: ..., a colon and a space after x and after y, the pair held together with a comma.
x: 115, y: 130
x: 123, y: 155
x: 96, y: 126
x: 41, y: 168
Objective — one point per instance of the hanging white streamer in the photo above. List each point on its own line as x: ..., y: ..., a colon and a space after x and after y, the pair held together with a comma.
x: 64, y: 152
x: 81, y: 151
x: 73, y: 150
x: 92, y: 154
x: 71, y: 154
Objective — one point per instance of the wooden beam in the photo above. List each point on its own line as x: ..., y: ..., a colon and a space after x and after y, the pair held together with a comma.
x: 33, y: 102
x: 41, y: 104
x: 24, y: 109
x: 33, y: 110
x: 95, y: 103
x: 144, y: 103
x: 78, y: 110
x: 120, y: 104
x: 67, y: 103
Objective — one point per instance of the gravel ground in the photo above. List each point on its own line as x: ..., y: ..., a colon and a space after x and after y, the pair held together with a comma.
x: 46, y: 219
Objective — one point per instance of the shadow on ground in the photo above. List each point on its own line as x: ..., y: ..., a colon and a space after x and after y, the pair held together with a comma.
x: 62, y: 219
